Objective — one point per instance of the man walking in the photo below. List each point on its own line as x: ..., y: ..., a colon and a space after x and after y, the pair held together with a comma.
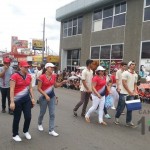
x: 86, y: 88
x: 129, y: 87
x: 5, y: 73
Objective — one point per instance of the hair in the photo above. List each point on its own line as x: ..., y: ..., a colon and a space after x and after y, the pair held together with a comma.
x: 123, y: 63
x: 44, y: 70
x: 88, y: 62
x: 141, y: 67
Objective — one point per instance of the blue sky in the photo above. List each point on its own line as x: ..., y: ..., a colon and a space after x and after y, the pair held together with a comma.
x: 25, y: 20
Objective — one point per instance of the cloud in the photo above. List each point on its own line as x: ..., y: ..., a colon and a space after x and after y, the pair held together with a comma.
x: 16, y: 10
x: 25, y: 20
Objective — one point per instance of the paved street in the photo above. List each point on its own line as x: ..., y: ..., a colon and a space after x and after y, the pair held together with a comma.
x: 75, y: 133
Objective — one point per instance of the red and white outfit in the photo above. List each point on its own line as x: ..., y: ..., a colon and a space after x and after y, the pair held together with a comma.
x: 21, y: 90
x: 48, y: 84
x: 101, y: 89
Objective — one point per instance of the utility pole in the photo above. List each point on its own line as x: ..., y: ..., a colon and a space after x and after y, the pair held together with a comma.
x: 46, y: 46
x: 43, y: 40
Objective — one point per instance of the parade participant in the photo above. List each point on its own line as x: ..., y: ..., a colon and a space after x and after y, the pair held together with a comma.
x: 98, y: 95
x: 86, y: 88
x: 5, y: 73
x: 46, y: 84
x: 123, y: 66
x: 129, y: 87
x: 114, y: 93
x: 22, y: 99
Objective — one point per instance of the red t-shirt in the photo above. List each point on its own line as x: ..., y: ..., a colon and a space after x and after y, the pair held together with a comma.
x: 48, y: 84
x: 113, y: 78
x: 21, y: 86
x: 100, y: 84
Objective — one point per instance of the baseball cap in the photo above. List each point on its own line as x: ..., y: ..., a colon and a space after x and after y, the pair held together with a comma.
x: 100, y: 68
x: 23, y: 64
x: 6, y: 60
x: 49, y: 65
x: 130, y: 62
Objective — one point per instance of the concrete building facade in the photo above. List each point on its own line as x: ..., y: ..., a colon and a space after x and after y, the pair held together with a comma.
x: 107, y: 31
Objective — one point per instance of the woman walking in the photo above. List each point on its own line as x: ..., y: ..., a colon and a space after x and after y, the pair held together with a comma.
x: 22, y: 99
x: 98, y: 95
x: 46, y: 84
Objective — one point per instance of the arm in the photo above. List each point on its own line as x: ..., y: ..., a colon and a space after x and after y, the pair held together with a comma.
x: 41, y: 91
x: 32, y: 95
x: 86, y: 87
x: 57, y: 84
x: 3, y: 72
x: 12, y: 87
x: 124, y: 83
x: 95, y: 91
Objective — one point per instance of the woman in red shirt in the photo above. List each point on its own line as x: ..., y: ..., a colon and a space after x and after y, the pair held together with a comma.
x: 46, y: 84
x: 22, y: 99
x: 98, y: 94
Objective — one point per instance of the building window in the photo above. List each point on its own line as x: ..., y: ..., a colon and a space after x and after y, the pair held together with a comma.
x: 145, y: 50
x: 109, y: 17
x: 147, y: 10
x: 108, y: 56
x: 72, y: 27
x: 107, y: 23
x: 117, y: 52
x: 95, y: 52
x: 73, y: 59
x: 105, y: 52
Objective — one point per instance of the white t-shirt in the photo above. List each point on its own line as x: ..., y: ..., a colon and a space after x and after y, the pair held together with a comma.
x: 131, y: 79
x: 87, y: 75
x: 119, y: 78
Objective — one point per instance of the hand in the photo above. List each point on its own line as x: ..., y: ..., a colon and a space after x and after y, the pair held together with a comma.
x: 47, y: 98
x: 131, y: 93
x: 5, y: 67
x: 12, y: 106
x: 99, y: 96
x: 118, y: 89
x: 89, y: 91
x: 33, y: 102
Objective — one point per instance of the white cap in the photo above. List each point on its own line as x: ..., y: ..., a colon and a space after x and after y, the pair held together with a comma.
x: 130, y: 62
x: 49, y: 65
x: 100, y: 68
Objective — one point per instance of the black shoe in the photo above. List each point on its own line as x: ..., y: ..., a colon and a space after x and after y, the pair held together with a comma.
x: 11, y: 112
x: 3, y: 111
x: 83, y: 115
x: 75, y: 113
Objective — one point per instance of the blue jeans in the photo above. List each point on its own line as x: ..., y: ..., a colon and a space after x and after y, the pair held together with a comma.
x: 51, y: 106
x: 121, y: 106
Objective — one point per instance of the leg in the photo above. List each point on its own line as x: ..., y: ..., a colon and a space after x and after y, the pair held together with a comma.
x: 121, y: 105
x: 51, y: 106
x: 43, y: 105
x: 4, y: 95
x: 81, y: 101
x: 16, y: 119
x: 95, y: 104
x: 8, y: 97
x: 101, y: 109
x: 27, y: 115
x: 86, y: 100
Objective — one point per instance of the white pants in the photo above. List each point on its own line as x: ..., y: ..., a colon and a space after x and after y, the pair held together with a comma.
x: 97, y: 101
x: 114, y: 95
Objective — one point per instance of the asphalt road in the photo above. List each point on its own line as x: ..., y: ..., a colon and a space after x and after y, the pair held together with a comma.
x: 74, y: 132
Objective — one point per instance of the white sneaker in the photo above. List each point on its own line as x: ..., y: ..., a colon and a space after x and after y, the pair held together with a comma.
x: 27, y: 135
x: 17, y: 138
x: 40, y: 128
x: 53, y: 133
x: 113, y: 108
